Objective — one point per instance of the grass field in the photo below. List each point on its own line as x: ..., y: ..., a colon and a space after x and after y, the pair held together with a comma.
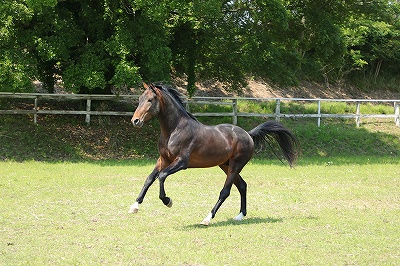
x: 332, y: 212
x: 66, y: 189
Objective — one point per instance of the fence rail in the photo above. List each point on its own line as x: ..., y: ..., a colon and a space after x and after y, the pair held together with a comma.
x: 229, y: 101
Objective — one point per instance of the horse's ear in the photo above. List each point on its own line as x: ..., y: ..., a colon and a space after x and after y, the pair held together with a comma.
x: 152, y: 88
x: 145, y: 86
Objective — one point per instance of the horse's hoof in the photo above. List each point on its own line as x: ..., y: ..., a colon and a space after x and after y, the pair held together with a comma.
x: 169, y: 205
x: 207, y: 220
x: 239, y: 217
x: 205, y: 223
x: 134, y: 208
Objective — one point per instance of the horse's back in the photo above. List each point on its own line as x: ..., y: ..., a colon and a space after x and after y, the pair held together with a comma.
x: 236, y: 132
x: 217, y: 144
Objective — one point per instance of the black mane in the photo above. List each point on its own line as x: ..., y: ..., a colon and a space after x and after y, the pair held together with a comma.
x: 174, y: 94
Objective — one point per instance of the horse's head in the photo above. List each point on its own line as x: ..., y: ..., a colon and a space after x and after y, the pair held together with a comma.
x: 148, y: 107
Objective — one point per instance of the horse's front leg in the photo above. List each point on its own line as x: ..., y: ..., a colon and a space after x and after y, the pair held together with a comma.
x: 175, y: 166
x: 149, y: 181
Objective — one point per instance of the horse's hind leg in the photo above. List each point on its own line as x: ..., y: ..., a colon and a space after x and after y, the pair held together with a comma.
x: 242, y: 187
x: 233, y: 174
x: 222, y: 197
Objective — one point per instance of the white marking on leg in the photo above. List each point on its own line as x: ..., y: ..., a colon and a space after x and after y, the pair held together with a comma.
x: 239, y: 217
x: 169, y: 205
x: 134, y: 208
x: 207, y: 220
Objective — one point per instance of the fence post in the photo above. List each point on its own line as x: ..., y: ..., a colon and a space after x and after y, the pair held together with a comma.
x: 234, y: 110
x: 35, y: 108
x: 358, y: 119
x: 187, y: 106
x: 319, y: 113
x: 88, y: 103
x: 278, y: 110
x: 397, y: 113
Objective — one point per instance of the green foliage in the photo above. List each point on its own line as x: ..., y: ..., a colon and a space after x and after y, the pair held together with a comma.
x: 87, y: 72
x: 16, y: 64
x: 39, y: 5
x: 374, y: 47
x: 126, y: 74
x: 96, y: 45
x: 13, y: 76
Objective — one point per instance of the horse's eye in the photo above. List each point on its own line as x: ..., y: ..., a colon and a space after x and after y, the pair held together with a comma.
x: 149, y: 100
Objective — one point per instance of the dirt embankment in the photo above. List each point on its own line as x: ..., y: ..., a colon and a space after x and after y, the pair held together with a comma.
x: 260, y: 89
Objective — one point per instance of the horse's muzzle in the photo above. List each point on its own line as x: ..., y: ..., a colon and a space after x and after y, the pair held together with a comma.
x: 137, y: 122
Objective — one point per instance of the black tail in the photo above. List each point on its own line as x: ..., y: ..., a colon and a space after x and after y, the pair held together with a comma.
x: 272, y: 132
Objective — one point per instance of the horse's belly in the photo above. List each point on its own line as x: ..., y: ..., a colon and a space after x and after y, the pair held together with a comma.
x: 202, y: 163
x: 211, y: 157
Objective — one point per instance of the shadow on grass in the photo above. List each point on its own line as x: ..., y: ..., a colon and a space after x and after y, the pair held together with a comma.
x: 231, y: 222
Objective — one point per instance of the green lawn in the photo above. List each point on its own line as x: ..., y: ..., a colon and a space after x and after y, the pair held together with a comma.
x: 320, y: 213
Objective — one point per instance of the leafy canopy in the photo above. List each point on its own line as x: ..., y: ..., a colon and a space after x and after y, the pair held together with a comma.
x: 95, y: 46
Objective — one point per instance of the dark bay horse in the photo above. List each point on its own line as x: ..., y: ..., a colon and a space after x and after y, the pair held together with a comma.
x: 186, y: 143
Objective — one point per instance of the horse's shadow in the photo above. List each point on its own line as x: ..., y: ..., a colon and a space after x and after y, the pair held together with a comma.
x: 232, y: 222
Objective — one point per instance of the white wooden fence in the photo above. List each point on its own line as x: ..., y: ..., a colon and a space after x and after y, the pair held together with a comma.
x: 229, y: 101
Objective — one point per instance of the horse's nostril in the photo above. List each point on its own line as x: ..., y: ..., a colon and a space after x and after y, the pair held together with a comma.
x: 136, y: 122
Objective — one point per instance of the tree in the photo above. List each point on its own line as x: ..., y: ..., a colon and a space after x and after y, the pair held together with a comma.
x: 373, y: 41
x: 94, y: 46
x: 17, y: 64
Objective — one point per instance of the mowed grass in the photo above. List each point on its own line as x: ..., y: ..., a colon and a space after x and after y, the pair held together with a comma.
x: 320, y: 213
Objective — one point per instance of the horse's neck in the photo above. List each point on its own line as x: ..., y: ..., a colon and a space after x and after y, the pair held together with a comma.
x: 170, y: 117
